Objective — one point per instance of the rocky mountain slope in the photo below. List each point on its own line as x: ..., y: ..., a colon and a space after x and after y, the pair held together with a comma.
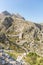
x: 19, y: 34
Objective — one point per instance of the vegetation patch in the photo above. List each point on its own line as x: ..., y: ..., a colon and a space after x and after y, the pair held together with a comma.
x: 34, y: 59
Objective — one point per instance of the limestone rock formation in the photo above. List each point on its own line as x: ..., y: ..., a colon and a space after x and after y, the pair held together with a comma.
x: 20, y: 33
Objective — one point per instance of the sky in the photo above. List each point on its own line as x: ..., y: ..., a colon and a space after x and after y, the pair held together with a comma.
x: 31, y: 10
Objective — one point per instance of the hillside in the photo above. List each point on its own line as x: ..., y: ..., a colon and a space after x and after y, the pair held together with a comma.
x: 20, y: 35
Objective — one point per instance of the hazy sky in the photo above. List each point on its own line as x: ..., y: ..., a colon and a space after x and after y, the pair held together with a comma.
x: 30, y: 9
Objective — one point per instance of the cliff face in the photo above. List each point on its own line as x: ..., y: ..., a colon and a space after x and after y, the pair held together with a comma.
x: 19, y: 34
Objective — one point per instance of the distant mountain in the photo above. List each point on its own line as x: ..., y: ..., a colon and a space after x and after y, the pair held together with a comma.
x: 19, y: 16
x: 6, y: 13
x: 21, y: 35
